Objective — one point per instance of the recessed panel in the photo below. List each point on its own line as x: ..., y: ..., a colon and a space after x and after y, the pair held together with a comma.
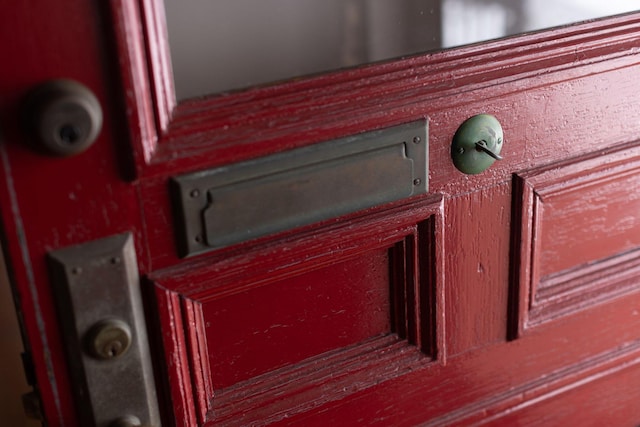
x: 579, y: 241
x: 586, y: 223
x: 305, y: 320
x: 284, y: 322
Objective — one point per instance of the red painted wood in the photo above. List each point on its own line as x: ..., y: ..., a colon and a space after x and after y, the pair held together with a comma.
x: 587, y: 402
x: 198, y: 357
x: 176, y: 362
x: 231, y: 291
x: 492, y: 380
x: 477, y: 264
x: 317, y: 311
x: 531, y: 128
x: 578, y: 234
x: 79, y: 198
x: 456, y: 261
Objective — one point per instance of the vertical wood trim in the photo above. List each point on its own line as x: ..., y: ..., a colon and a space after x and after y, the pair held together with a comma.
x: 158, y: 49
x: 33, y: 305
x: 177, y: 357
x: 397, y: 293
x: 533, y: 204
x: 536, y: 248
x: 416, y: 321
x: 134, y: 73
x: 434, y: 265
x: 199, y: 358
x: 523, y: 243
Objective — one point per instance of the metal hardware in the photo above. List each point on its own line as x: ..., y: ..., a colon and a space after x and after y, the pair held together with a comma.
x: 32, y: 406
x: 477, y: 144
x: 482, y: 146
x: 108, y: 339
x: 126, y: 421
x: 227, y: 205
x: 63, y: 116
x: 100, y: 308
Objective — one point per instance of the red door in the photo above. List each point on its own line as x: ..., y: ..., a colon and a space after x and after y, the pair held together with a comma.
x: 307, y: 253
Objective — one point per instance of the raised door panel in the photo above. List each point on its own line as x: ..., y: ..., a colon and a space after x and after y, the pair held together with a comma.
x: 287, y: 327
x: 578, y: 235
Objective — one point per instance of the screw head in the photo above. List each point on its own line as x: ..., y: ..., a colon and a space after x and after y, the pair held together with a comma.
x: 108, y: 339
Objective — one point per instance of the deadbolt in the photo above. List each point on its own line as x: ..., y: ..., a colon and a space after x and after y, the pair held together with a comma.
x: 477, y: 144
x: 108, y: 339
x: 63, y: 116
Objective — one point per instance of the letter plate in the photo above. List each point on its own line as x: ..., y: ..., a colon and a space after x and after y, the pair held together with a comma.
x: 220, y: 207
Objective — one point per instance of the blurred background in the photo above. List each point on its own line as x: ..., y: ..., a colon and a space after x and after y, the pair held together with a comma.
x: 13, y: 383
x: 222, y: 45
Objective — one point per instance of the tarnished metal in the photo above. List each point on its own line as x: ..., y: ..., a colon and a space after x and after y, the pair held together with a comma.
x: 219, y: 207
x: 108, y: 339
x: 100, y: 308
x: 477, y: 144
x: 126, y: 421
x: 32, y: 406
x: 63, y: 116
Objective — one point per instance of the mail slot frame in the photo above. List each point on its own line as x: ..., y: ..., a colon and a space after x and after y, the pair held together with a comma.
x: 399, y: 153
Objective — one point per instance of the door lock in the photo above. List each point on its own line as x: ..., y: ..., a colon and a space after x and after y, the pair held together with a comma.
x: 101, y: 312
x: 477, y: 144
x: 63, y: 117
x: 108, y: 339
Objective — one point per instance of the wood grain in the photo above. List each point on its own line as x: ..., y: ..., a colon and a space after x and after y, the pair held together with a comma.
x: 562, y: 96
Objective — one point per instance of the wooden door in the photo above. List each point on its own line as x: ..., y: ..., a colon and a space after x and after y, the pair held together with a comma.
x: 509, y: 297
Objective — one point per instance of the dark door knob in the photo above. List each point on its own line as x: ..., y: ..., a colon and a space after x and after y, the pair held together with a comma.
x: 63, y: 116
x: 477, y: 144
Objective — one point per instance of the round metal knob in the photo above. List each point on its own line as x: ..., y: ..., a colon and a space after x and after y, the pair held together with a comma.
x: 63, y: 116
x: 108, y: 339
x: 477, y: 144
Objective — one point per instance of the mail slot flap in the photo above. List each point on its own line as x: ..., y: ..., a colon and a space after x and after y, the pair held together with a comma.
x: 231, y: 204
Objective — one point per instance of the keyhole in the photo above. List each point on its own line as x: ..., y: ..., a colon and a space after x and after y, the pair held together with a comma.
x: 108, y: 339
x: 69, y: 134
x: 113, y: 349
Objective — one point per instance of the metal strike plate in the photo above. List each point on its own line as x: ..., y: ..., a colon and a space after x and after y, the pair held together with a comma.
x: 97, y: 283
x: 220, y: 207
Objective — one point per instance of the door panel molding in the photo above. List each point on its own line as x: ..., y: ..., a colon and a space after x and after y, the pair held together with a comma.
x: 412, y: 234
x: 577, y: 236
x: 214, y: 127
x: 490, y: 381
x: 572, y: 377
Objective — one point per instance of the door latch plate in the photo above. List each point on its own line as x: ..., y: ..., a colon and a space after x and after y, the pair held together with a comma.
x: 95, y: 281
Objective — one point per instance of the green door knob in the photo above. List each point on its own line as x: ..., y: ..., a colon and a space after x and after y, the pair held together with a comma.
x: 477, y: 144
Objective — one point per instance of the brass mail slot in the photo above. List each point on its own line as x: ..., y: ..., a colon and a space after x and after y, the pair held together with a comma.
x: 231, y: 204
